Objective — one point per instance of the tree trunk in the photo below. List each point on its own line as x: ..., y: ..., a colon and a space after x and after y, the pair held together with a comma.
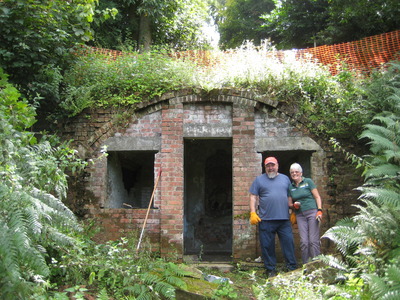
x: 144, y: 33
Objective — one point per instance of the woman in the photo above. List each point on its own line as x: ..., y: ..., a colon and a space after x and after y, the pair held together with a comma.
x: 306, y: 202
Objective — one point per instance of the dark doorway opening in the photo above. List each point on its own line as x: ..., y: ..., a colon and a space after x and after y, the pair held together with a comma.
x: 208, y: 198
x: 130, y: 178
x: 286, y: 158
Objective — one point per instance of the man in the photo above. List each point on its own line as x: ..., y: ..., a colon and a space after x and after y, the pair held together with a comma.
x: 271, y: 189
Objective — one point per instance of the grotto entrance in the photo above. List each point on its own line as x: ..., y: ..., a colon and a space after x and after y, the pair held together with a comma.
x: 208, y: 198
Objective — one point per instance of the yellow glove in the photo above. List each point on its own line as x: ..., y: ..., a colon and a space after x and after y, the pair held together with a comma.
x: 293, y: 218
x: 254, y: 218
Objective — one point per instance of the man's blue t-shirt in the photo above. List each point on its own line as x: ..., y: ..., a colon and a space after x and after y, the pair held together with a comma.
x: 273, y: 194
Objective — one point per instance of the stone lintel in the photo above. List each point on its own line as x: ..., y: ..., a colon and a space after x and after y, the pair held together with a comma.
x: 126, y: 143
x: 286, y: 144
x: 207, y: 130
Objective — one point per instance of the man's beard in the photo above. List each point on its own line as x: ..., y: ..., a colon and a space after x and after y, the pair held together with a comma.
x: 272, y: 175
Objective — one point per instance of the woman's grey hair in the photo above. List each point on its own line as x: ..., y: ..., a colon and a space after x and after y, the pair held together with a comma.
x: 296, y: 167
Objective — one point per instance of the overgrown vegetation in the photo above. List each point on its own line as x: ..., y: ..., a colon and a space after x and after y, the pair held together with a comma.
x: 96, y: 81
x: 35, y: 43
x: 115, y: 270
x: 33, y: 219
x: 45, y: 253
x: 332, y: 104
x: 370, y: 241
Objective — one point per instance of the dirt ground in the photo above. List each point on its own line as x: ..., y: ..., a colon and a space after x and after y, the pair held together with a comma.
x: 243, y: 278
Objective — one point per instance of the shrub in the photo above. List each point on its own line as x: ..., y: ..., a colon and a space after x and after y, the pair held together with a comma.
x: 33, y: 219
x: 370, y: 241
x: 96, y: 81
x: 332, y: 104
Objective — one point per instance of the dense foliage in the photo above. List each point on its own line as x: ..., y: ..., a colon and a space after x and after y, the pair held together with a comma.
x: 42, y: 249
x: 43, y: 253
x: 114, y: 270
x: 36, y: 38
x: 301, y: 24
x: 332, y: 103
x: 295, y: 24
x: 239, y: 21
x: 34, y: 221
x: 95, y: 81
x: 175, y: 24
x: 370, y: 241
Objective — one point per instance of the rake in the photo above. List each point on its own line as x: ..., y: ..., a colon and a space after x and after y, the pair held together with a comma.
x: 148, y: 210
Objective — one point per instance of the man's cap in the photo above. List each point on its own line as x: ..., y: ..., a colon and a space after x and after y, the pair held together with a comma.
x: 270, y: 160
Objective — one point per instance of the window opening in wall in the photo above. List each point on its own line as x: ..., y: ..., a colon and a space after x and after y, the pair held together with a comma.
x: 130, y: 178
x: 286, y: 158
x: 208, y: 198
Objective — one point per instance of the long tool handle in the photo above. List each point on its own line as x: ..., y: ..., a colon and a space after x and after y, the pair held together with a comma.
x: 148, y: 210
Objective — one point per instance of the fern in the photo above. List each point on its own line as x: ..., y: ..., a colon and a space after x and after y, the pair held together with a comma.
x: 370, y: 242
x: 172, y: 273
x: 164, y: 278
x: 387, y: 286
x: 381, y: 195
x: 32, y: 219
x: 377, y: 285
x: 393, y: 276
x: 346, y: 238
x: 334, y: 262
x: 21, y: 261
x: 391, y: 295
x: 176, y: 270
x: 137, y: 289
x: 383, y: 171
x: 150, y: 278
x: 103, y: 295
x: 145, y: 296
x: 165, y: 289
x: 175, y: 281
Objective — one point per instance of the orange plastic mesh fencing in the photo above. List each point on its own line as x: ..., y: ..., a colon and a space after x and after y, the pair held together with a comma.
x: 362, y: 56
x: 113, y: 54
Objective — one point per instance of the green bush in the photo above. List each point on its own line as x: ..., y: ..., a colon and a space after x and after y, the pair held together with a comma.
x: 116, y: 269
x: 332, y: 104
x: 370, y: 241
x: 33, y: 220
x: 97, y: 81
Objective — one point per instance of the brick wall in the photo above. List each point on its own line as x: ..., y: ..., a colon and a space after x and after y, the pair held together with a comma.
x: 245, y: 168
x: 172, y: 178
x: 255, y: 124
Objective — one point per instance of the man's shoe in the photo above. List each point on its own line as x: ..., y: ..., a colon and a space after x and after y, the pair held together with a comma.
x: 270, y: 273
